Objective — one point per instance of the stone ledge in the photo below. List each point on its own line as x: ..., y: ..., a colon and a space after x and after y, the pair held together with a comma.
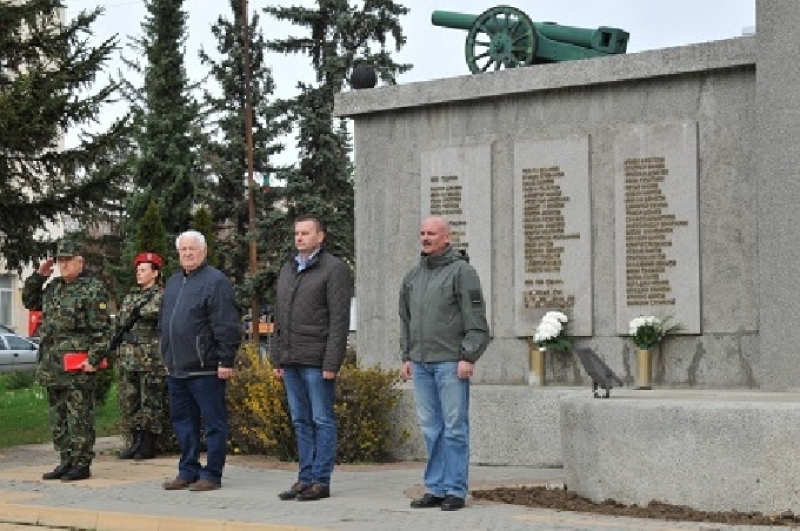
x: 711, y: 450
x: 511, y: 425
x: 695, y: 58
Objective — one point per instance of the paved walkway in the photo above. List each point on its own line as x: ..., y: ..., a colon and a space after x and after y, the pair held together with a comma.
x: 128, y: 496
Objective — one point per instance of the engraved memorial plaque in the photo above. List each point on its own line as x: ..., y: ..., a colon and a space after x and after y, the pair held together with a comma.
x: 457, y: 185
x: 552, y: 233
x: 657, y: 224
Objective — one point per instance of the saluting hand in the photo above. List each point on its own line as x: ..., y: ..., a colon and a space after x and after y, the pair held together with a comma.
x: 46, y: 267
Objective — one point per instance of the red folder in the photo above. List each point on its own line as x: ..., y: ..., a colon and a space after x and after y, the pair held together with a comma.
x: 73, y: 361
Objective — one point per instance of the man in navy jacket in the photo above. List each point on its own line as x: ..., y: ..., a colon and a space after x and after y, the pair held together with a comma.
x: 200, y: 335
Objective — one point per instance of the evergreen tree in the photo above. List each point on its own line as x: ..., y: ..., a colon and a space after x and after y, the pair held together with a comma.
x: 151, y: 236
x: 202, y: 224
x: 226, y: 154
x: 47, y: 74
x: 118, y: 259
x: 341, y: 35
x: 167, y: 128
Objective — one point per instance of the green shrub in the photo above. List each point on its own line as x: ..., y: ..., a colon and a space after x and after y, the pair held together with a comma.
x: 260, y: 421
x: 12, y: 381
x: 103, y: 383
x: 23, y: 379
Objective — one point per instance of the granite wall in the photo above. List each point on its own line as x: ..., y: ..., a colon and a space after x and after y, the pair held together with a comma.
x: 589, y: 111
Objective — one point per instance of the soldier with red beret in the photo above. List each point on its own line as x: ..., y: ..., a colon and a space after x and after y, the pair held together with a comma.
x: 142, y: 387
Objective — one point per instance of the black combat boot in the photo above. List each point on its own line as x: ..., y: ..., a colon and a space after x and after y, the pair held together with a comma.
x: 77, y: 473
x: 136, y: 442
x: 58, y: 472
x: 147, y: 449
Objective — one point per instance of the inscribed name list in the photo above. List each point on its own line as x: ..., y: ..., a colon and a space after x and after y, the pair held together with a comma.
x: 656, y: 206
x: 457, y: 185
x: 552, y: 231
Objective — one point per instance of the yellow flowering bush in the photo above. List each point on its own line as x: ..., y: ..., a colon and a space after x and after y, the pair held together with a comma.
x: 365, y: 399
x: 259, y: 413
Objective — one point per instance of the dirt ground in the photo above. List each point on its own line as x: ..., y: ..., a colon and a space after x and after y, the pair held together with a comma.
x: 565, y: 500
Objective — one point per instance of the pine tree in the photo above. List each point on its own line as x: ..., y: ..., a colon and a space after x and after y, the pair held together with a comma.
x: 47, y: 75
x: 341, y: 35
x: 201, y: 222
x: 226, y: 155
x: 167, y: 128
x: 117, y: 260
x: 151, y: 236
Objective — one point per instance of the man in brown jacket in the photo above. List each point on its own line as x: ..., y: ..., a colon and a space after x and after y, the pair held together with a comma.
x: 312, y: 320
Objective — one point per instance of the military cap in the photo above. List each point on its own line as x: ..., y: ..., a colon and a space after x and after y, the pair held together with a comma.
x: 68, y: 248
x: 153, y: 258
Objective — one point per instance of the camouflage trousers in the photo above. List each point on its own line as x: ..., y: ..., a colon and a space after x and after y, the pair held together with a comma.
x: 143, y: 400
x: 72, y: 422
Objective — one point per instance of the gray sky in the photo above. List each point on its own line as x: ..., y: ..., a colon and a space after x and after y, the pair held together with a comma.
x: 439, y: 52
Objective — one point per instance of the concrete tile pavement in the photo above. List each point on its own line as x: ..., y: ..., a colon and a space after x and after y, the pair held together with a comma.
x: 128, y: 496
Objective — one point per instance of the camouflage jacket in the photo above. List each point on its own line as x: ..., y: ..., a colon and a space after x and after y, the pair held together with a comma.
x: 74, y: 318
x: 139, y: 348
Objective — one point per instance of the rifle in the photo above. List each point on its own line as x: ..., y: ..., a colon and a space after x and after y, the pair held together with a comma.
x: 124, y: 330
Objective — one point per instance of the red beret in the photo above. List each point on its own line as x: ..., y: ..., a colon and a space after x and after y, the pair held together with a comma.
x: 153, y: 258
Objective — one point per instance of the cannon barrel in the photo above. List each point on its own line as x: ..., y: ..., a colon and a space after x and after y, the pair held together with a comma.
x: 453, y: 20
x: 602, y: 39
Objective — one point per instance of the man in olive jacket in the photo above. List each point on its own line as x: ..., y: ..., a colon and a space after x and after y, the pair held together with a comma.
x: 444, y: 332
x: 312, y: 321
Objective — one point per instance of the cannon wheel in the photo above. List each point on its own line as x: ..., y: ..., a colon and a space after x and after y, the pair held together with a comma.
x: 502, y: 36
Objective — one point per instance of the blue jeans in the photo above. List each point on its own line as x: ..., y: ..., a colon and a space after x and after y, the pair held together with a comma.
x: 443, y: 409
x: 311, y: 406
x: 189, y: 400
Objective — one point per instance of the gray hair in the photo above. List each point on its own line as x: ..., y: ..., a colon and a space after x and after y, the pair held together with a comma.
x: 198, y: 237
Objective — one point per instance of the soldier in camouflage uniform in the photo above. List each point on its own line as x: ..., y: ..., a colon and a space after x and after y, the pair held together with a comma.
x: 74, y: 319
x: 142, y: 385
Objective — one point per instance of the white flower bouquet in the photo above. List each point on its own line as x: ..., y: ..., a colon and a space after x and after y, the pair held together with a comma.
x: 551, y: 332
x: 647, y: 331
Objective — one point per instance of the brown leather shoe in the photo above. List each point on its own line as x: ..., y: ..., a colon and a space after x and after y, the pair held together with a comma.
x: 176, y: 484
x: 294, y: 491
x: 202, y: 485
x: 316, y: 491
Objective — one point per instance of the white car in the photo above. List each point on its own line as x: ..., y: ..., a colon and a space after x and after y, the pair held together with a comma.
x: 17, y: 353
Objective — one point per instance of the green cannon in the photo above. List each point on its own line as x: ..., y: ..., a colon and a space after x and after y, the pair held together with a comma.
x: 504, y: 37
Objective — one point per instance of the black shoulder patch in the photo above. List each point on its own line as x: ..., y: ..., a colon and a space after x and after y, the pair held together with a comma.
x: 475, y: 297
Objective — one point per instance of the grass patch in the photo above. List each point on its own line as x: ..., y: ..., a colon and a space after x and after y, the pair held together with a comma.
x: 24, y: 418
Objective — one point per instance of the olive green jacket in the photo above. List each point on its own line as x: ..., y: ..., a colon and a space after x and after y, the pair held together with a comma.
x: 442, y: 310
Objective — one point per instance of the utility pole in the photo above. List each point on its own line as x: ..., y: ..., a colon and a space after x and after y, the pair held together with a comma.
x: 255, y: 314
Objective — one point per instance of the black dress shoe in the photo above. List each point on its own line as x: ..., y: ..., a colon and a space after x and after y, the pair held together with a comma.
x: 77, y: 473
x: 316, y: 491
x: 452, y: 503
x: 58, y: 472
x: 427, y: 501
